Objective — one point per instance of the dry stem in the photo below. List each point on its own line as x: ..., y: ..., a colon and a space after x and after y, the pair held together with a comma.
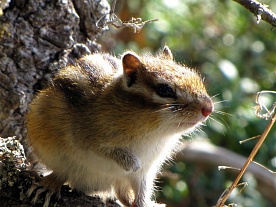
x: 222, y: 200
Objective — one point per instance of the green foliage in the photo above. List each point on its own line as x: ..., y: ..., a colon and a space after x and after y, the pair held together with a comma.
x: 237, y: 56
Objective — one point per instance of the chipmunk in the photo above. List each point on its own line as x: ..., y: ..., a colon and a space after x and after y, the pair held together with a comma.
x: 106, y: 125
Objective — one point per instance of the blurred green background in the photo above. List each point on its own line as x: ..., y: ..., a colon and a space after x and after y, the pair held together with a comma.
x: 237, y: 57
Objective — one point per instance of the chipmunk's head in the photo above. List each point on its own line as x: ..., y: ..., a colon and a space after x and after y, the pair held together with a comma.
x: 174, y: 91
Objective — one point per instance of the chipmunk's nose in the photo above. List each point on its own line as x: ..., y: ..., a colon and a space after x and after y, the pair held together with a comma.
x: 207, y: 107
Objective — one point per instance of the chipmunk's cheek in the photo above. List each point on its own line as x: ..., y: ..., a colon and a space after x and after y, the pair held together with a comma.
x: 191, y: 120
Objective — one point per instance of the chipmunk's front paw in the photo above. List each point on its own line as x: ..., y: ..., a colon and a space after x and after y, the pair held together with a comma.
x: 48, y: 185
x: 39, y: 190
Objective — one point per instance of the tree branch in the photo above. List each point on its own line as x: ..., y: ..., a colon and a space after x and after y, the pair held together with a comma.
x: 261, y: 11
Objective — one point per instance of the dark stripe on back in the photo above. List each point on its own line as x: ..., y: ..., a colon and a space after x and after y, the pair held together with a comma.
x: 75, y: 96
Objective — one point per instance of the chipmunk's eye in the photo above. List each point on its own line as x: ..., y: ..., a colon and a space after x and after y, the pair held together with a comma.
x: 165, y: 91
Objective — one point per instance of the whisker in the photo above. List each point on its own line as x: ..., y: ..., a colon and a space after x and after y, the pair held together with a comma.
x: 171, y: 106
x: 199, y: 129
x: 223, y: 113
x: 217, y: 102
x: 203, y: 124
x: 215, y: 121
x: 176, y: 110
x: 178, y: 125
x: 163, y: 109
x: 220, y: 124
x: 224, y: 122
x: 175, y: 104
x: 215, y: 96
x: 221, y: 120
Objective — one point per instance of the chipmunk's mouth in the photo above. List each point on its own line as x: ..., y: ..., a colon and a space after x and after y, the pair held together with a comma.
x: 190, y: 123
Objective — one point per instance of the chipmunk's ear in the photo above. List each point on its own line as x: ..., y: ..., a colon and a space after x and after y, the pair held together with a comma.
x: 167, y: 53
x: 131, y: 63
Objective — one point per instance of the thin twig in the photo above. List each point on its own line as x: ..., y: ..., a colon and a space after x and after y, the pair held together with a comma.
x: 264, y: 167
x: 227, y: 167
x: 250, y: 158
x: 248, y: 139
x: 135, y: 23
